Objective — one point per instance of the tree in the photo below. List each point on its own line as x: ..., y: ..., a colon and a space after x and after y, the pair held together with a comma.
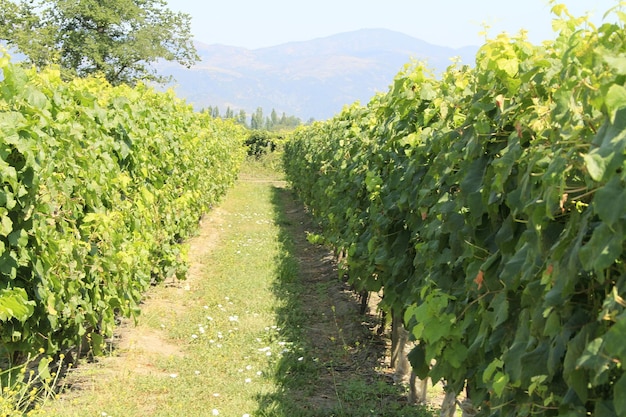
x: 242, y: 118
x: 119, y: 39
x: 257, y: 121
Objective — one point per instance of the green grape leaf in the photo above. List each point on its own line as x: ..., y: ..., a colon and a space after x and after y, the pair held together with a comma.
x: 6, y: 226
x: 605, y: 408
x: 417, y: 358
x: 35, y: 98
x: 614, y: 345
x: 619, y: 396
x: 615, y: 100
x: 500, y: 306
x: 596, y: 165
x: 616, y: 63
x: 14, y: 303
x: 603, y: 248
x: 610, y: 200
x: 499, y: 383
x: 43, y: 369
x: 427, y: 92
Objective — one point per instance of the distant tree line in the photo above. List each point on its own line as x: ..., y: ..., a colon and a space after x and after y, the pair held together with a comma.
x: 257, y: 121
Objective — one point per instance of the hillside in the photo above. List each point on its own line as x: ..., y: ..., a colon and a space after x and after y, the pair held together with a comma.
x: 307, y: 79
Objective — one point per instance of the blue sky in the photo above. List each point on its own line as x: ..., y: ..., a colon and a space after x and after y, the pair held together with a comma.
x: 455, y: 23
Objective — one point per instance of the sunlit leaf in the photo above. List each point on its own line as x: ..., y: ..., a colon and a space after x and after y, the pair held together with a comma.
x: 499, y: 383
x: 596, y: 165
x: 615, y: 100
x: 617, y: 63
x: 14, y: 303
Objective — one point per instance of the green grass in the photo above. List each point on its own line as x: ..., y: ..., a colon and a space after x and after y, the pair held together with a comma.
x: 233, y: 340
x: 298, y: 371
x: 223, y: 325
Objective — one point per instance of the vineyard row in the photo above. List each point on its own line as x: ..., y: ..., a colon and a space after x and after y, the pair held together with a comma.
x: 489, y: 206
x: 99, y: 186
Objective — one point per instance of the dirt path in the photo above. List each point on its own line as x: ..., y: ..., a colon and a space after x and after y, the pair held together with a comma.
x: 341, y: 339
x: 335, y: 363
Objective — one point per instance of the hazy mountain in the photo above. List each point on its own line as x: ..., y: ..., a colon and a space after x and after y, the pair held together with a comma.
x: 307, y: 79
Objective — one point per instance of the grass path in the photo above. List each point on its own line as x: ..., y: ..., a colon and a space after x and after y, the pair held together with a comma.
x: 261, y: 327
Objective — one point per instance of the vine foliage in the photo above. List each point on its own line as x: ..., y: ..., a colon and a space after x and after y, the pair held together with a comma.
x: 99, y: 186
x: 490, y: 206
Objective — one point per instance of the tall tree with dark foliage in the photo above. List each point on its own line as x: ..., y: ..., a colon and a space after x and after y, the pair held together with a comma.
x: 117, y: 39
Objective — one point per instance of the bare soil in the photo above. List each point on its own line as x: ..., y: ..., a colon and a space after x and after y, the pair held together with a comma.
x: 136, y: 347
x: 363, y: 340
x: 344, y: 341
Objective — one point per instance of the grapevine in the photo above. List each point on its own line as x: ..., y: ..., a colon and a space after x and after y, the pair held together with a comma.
x: 100, y: 185
x: 489, y: 205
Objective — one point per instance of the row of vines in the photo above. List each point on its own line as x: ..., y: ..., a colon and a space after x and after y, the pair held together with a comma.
x: 489, y: 205
x: 99, y: 185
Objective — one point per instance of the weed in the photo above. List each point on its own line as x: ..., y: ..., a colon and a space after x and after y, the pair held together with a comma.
x: 26, y: 388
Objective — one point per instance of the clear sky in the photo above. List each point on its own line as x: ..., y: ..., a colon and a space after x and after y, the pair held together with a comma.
x: 455, y: 23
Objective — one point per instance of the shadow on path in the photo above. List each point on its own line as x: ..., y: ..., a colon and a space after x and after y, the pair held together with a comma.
x: 334, y: 363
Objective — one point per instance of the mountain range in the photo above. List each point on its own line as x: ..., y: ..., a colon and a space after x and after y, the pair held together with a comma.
x: 310, y: 79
